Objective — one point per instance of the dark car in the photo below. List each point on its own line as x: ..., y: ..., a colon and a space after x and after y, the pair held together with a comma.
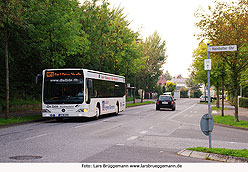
x: 165, y: 101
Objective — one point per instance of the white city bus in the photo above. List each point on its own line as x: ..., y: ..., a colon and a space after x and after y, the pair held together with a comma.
x: 81, y: 93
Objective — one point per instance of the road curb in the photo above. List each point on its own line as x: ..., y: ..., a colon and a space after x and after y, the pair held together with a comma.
x: 212, y: 156
x: 229, y: 126
x: 22, y: 123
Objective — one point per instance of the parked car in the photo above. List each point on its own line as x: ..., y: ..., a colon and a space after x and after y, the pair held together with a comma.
x: 202, y: 98
x: 167, y: 93
x: 165, y: 101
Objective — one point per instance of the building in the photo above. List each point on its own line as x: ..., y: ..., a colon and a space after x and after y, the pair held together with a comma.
x: 180, y: 81
x: 162, y: 81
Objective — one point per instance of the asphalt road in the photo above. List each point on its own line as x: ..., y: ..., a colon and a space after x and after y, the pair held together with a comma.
x: 140, y: 134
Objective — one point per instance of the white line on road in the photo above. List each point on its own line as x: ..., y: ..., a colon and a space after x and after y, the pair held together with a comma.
x: 132, y: 138
x: 120, y: 144
x: 151, y: 127
x: 79, y: 126
x: 181, y: 112
x: 41, y: 135
x: 171, y: 118
x: 143, y: 132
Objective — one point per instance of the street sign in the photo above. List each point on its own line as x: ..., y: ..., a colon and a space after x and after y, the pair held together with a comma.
x: 205, y: 127
x: 207, y: 64
x: 222, y: 48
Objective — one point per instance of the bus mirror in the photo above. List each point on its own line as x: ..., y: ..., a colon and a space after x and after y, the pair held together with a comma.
x: 90, y: 83
x: 36, y: 78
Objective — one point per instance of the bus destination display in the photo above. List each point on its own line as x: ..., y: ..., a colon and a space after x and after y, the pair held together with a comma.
x: 64, y: 74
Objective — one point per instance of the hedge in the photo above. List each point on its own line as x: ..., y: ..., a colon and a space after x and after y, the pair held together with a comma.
x: 243, y: 102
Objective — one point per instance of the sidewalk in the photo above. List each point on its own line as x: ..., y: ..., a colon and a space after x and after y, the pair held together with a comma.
x: 243, y: 112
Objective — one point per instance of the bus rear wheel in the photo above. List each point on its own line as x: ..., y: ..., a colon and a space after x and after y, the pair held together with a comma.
x: 116, y: 109
x: 97, y: 112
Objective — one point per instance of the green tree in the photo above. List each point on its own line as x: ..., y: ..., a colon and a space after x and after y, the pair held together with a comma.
x: 58, y: 30
x: 10, y: 13
x: 226, y: 24
x: 154, y: 56
x: 183, y: 92
x: 171, y: 87
x: 167, y: 75
x: 194, y: 86
x: 200, y: 75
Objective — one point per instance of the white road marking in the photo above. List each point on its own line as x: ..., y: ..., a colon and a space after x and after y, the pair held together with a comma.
x: 171, y: 118
x: 41, y: 135
x: 120, y: 144
x: 132, y: 138
x: 143, y: 132
x: 181, y: 112
x: 79, y: 126
x: 151, y: 127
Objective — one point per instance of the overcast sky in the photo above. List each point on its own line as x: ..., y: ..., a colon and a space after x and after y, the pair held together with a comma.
x: 174, y: 21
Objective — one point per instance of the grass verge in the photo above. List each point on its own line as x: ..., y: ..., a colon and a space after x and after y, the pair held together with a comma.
x: 215, y: 108
x: 207, y: 102
x: 230, y: 120
x: 243, y: 153
x: 13, y: 120
x: 138, y: 104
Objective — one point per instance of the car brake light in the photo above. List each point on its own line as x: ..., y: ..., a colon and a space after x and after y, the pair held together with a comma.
x: 172, y: 102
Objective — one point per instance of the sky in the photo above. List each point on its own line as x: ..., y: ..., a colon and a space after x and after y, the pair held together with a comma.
x: 173, y: 20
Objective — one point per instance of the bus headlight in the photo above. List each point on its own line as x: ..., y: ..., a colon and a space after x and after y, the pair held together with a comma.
x: 82, y: 110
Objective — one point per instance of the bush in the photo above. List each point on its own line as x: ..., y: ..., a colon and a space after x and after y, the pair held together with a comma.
x: 129, y: 99
x: 15, y: 104
x: 243, y: 102
x: 184, y: 93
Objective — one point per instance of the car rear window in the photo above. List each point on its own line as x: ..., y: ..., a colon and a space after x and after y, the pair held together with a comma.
x: 165, y: 98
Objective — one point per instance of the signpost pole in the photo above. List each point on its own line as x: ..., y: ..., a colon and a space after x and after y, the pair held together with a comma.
x: 207, y: 122
x: 209, y: 99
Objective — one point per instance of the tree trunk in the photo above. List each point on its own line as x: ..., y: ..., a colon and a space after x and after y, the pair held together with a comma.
x: 218, y: 97
x: 134, y: 89
x: 222, y: 94
x: 6, y: 70
x: 142, y: 92
x: 236, y: 101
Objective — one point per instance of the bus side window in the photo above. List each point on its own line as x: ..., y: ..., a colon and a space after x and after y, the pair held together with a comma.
x: 88, y: 92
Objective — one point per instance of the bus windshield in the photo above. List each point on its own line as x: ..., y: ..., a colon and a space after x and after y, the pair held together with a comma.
x: 63, y: 87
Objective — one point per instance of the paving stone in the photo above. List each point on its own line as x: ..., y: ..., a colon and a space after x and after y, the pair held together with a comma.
x: 201, y: 155
x: 231, y: 159
x: 217, y: 157
x: 185, y: 152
